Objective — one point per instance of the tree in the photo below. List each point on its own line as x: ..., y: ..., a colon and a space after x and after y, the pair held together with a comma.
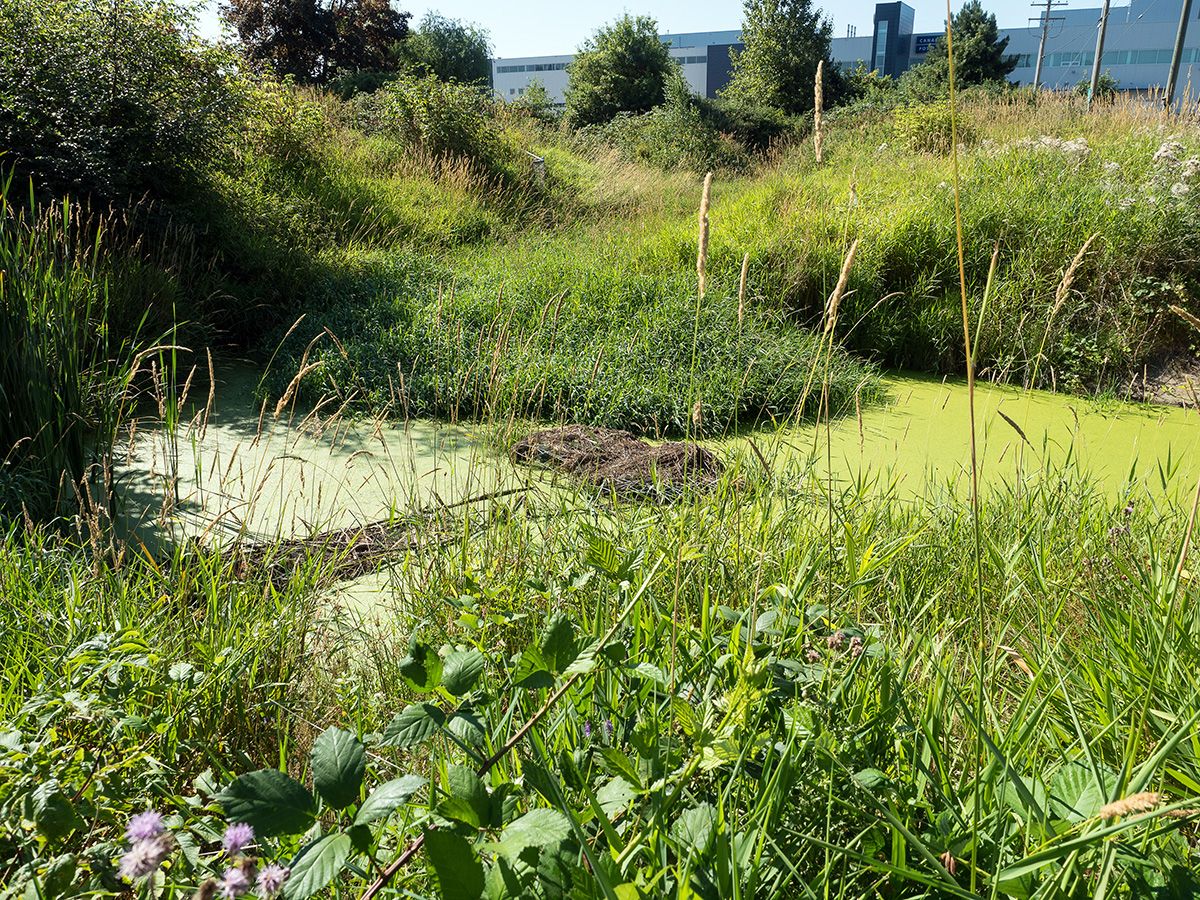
x: 979, y: 56
x: 784, y: 40
x: 450, y: 49
x: 314, y: 40
x: 623, y: 68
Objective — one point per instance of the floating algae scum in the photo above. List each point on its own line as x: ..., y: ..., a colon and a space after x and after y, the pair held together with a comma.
x: 249, y: 476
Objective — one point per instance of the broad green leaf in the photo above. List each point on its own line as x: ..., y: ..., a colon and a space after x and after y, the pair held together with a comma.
x: 387, y: 798
x: 537, y: 828
x: 615, y: 795
x: 694, y: 827
x: 338, y: 763
x: 60, y: 875
x: 465, y: 784
x: 458, y: 870
x: 270, y: 801
x: 414, y: 724
x: 1075, y: 793
x: 558, y: 645
x: 603, y: 556
x: 317, y: 865
x: 461, y: 671
x: 585, y: 660
x: 467, y: 726
x: 650, y: 673
x: 532, y: 670
x: 620, y: 764
x: 53, y: 813
x: 422, y: 668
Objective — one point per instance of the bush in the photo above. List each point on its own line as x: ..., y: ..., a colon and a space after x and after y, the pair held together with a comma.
x: 755, y: 127
x: 109, y: 105
x: 442, y: 120
x: 927, y: 128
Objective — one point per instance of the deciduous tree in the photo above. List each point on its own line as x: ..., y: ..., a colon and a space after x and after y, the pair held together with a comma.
x: 623, y: 68
x: 784, y: 40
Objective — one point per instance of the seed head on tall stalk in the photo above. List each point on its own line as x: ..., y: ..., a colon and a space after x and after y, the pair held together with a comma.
x: 818, y: 104
x: 966, y: 320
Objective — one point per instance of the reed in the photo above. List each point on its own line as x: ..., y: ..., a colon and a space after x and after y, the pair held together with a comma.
x: 818, y: 110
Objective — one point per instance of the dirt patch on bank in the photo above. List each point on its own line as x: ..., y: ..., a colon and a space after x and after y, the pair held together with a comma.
x: 1174, y: 382
x: 618, y: 462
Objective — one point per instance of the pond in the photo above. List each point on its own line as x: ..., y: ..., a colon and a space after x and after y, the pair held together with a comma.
x: 247, y: 473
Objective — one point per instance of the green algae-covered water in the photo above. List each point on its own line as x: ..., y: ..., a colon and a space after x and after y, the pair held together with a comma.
x: 247, y: 473
x: 922, y: 435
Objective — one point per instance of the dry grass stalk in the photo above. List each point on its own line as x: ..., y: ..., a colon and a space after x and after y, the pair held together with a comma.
x: 742, y: 289
x: 1064, y: 286
x: 839, y: 290
x: 702, y: 250
x: 819, y: 102
x: 1134, y: 803
x: 1186, y: 316
x: 291, y: 388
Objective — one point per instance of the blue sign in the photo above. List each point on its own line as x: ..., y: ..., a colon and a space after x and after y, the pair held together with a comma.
x: 923, y: 43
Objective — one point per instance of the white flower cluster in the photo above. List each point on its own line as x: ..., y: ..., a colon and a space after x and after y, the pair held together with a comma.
x: 1175, y: 167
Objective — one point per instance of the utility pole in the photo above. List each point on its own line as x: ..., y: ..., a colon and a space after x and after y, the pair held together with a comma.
x: 1095, y: 82
x: 1045, y: 19
x: 1177, y: 56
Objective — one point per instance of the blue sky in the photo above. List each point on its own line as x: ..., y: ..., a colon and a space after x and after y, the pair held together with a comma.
x: 542, y: 27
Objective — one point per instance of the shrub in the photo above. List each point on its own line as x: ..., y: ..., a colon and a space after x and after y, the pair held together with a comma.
x: 440, y: 119
x: 109, y: 105
x: 926, y: 127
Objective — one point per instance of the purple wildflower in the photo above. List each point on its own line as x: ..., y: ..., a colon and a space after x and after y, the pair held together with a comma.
x: 608, y: 728
x: 144, y: 857
x: 235, y: 883
x: 237, y: 836
x: 145, y: 826
x: 587, y: 731
x: 836, y: 640
x: 271, y: 879
x: 856, y: 646
x: 812, y: 654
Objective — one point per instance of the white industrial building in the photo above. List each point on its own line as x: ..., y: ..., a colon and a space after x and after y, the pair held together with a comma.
x: 1137, y: 50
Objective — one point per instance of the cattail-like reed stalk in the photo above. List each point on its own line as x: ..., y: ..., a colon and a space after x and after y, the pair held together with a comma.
x: 742, y: 289
x: 818, y: 103
x: 1134, y: 803
x: 839, y: 290
x: 702, y: 248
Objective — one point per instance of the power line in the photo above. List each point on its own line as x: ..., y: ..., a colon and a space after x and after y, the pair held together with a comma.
x: 1046, y: 19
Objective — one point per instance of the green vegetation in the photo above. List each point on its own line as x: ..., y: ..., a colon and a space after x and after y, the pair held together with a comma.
x: 623, y: 68
x: 790, y: 684
x: 784, y: 41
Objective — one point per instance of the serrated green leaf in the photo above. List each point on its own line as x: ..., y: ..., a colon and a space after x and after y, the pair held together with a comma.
x: 558, y: 644
x: 270, y: 801
x: 466, y: 785
x: 458, y: 870
x: 615, y: 795
x: 532, y: 671
x: 387, y: 798
x: 537, y: 828
x: 414, y: 724
x: 467, y: 726
x: 603, y: 556
x: 585, y: 660
x: 461, y: 671
x: 338, y: 763
x: 53, y: 813
x: 317, y: 865
x: 422, y: 668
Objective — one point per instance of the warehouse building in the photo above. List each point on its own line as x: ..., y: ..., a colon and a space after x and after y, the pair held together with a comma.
x: 1137, y: 50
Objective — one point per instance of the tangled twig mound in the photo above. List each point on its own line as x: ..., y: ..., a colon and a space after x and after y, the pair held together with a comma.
x: 618, y: 462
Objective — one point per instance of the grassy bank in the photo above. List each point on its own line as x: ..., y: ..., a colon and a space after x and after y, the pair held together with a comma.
x: 787, y: 701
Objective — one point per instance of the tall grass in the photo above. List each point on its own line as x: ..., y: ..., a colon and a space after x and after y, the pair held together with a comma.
x: 63, y: 376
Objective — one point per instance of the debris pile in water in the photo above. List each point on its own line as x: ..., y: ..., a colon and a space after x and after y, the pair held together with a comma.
x: 620, y: 463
